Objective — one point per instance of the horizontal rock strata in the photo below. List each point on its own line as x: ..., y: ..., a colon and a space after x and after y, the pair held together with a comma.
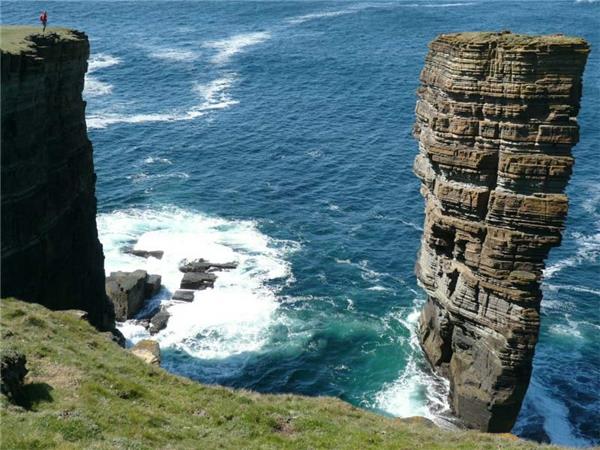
x: 495, y: 121
x: 50, y: 248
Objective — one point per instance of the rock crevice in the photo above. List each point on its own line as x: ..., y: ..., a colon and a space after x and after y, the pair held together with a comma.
x: 496, y: 121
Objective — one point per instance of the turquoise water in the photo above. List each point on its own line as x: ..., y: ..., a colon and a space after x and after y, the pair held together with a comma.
x: 278, y: 134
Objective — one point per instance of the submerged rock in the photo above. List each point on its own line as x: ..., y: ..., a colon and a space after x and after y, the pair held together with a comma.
x: 183, y: 295
x: 495, y: 123
x: 148, y: 351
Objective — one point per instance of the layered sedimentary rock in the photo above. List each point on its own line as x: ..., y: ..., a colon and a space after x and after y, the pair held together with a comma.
x: 495, y: 121
x: 50, y: 248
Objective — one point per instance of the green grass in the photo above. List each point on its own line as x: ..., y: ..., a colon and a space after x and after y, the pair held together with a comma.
x: 15, y: 39
x: 83, y: 391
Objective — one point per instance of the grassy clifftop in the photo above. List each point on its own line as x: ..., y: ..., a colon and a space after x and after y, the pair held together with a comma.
x: 83, y: 391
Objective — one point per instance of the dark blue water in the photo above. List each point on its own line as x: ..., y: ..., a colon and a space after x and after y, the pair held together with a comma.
x: 278, y: 134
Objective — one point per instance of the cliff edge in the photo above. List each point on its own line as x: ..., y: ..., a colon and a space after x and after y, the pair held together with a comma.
x: 496, y: 121
x: 50, y: 248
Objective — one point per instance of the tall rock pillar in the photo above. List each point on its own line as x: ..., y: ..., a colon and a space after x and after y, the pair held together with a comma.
x: 50, y: 248
x: 496, y: 121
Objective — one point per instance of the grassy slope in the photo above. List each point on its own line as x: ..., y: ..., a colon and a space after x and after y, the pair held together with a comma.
x: 86, y: 392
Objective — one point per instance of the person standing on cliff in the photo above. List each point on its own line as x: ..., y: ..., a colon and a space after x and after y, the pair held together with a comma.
x: 44, y: 20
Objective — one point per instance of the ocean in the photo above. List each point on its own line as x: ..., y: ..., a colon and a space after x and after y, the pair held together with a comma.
x: 278, y: 134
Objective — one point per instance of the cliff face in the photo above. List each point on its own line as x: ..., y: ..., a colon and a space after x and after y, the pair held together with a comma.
x: 50, y: 248
x: 495, y: 121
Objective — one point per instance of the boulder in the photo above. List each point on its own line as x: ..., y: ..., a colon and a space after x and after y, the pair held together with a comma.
x: 158, y: 254
x: 12, y: 374
x: 195, y: 280
x: 127, y: 291
x: 159, y: 321
x: 153, y: 284
x: 148, y: 351
x: 183, y: 295
x: 202, y: 265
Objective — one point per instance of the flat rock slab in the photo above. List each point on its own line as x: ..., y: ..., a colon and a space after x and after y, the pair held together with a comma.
x: 183, y: 295
x: 158, y: 254
x: 194, y: 280
x: 148, y: 351
x: 202, y: 265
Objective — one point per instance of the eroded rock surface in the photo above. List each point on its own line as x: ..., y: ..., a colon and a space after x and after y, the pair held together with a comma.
x: 496, y: 121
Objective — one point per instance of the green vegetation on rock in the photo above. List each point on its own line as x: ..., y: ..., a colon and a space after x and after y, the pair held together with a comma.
x: 84, y: 391
x: 16, y: 39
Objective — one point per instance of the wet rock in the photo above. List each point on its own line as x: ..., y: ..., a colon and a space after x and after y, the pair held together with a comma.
x: 12, y: 374
x: 153, y: 285
x: 195, y: 280
x: 158, y: 254
x: 202, y: 265
x: 148, y: 351
x: 496, y: 120
x: 183, y: 295
x: 159, y: 321
x: 127, y: 291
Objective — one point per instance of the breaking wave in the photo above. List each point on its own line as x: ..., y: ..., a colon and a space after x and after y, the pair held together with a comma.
x: 227, y: 48
x: 232, y: 318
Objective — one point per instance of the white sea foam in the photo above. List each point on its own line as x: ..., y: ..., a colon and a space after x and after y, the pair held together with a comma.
x: 588, y: 250
x: 440, y: 5
x: 415, y: 392
x: 227, y: 48
x: 156, y: 159
x: 555, y: 413
x: 103, y: 120
x: 102, y: 61
x: 232, y: 318
x: 93, y: 86
x: 174, y: 54
x: 145, y: 177
x: 568, y: 287
x: 213, y: 95
x: 96, y: 88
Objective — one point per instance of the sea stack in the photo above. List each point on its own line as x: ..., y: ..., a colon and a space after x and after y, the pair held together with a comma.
x: 50, y: 248
x: 496, y: 122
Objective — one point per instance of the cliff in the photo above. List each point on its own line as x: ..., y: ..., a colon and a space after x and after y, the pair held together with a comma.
x: 83, y: 391
x: 50, y: 248
x: 496, y: 121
